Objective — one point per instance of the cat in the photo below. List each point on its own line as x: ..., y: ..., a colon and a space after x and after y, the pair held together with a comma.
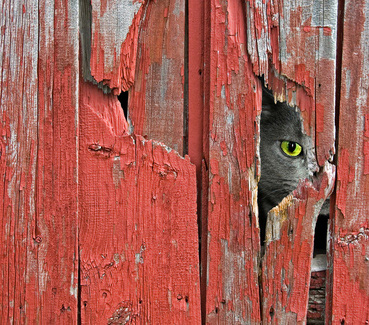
x: 287, y: 154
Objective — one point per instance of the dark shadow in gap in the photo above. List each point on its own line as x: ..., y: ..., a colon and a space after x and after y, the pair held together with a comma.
x: 123, y: 99
x: 320, y: 237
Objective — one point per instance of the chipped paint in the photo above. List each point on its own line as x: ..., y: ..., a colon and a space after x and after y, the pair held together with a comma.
x: 126, y: 236
x: 232, y: 292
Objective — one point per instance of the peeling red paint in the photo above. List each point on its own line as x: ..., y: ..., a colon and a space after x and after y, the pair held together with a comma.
x: 118, y: 71
x: 289, y: 247
x: 147, y: 253
x: 348, y: 278
x: 232, y: 288
x: 156, y: 98
x: 83, y: 198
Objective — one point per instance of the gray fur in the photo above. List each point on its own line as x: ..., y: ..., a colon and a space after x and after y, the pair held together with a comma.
x: 280, y: 173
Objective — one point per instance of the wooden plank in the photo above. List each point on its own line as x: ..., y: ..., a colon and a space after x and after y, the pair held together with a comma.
x: 156, y: 103
x: 348, y: 274
x: 114, y: 32
x: 18, y: 155
x: 289, y: 249
x: 231, y: 230
x: 138, y: 197
x: 196, y: 115
x: 39, y: 49
x: 196, y: 81
x: 138, y: 223
x: 292, y: 44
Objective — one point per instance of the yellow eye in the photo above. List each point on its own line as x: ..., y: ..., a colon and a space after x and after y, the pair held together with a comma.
x: 291, y: 148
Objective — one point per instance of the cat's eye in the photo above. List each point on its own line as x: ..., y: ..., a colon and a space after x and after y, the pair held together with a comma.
x: 291, y: 148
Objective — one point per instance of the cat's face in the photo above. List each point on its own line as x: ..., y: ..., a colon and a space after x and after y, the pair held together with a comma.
x: 286, y: 153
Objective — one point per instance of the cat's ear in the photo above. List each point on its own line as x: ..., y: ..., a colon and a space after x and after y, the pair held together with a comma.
x: 268, y: 103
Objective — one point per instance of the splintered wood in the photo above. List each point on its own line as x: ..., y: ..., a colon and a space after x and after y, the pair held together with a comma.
x: 100, y: 213
x: 137, y: 223
x: 232, y: 286
x: 348, y: 293
x: 99, y: 226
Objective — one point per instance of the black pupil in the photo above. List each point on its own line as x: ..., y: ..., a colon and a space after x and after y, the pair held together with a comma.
x: 291, y: 146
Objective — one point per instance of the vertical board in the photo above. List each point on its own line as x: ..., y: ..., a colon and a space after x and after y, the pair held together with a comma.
x: 114, y: 32
x: 138, y: 224
x: 231, y: 235
x: 348, y: 275
x: 57, y: 171
x: 293, y: 45
x: 156, y: 100
x: 18, y: 154
x: 39, y: 106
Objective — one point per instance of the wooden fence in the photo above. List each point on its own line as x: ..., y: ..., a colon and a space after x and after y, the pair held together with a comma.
x: 152, y: 217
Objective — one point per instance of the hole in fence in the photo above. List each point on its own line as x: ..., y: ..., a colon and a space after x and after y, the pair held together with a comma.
x: 320, y: 237
x: 286, y: 154
x: 271, y: 312
x: 123, y: 99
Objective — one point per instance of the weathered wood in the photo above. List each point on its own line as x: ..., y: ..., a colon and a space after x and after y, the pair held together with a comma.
x: 138, y: 225
x: 79, y: 191
x: 156, y: 107
x: 348, y: 271
x: 292, y: 44
x: 289, y: 249
x: 114, y: 32
x: 231, y: 235
x: 138, y: 197
x: 39, y: 112
x: 99, y: 224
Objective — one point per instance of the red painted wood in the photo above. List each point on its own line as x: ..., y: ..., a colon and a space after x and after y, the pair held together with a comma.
x: 102, y: 222
x: 138, y: 197
x: 39, y: 138
x: 156, y: 107
x: 138, y: 224
x: 195, y: 83
x: 82, y: 198
x: 114, y: 33
x: 292, y: 44
x: 197, y: 111
x: 232, y: 287
x: 289, y: 248
x: 348, y: 274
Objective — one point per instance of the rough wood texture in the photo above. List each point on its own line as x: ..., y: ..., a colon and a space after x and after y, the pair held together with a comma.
x: 289, y: 248
x: 156, y: 107
x: 138, y: 224
x: 232, y: 287
x: 143, y: 265
x: 348, y: 271
x: 114, y: 32
x: 292, y: 43
x: 98, y: 226
x: 39, y: 109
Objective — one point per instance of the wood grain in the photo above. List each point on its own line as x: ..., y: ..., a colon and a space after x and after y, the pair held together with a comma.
x: 39, y: 139
x: 138, y: 224
x: 293, y: 45
x: 348, y: 276
x: 156, y: 100
x: 232, y: 287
